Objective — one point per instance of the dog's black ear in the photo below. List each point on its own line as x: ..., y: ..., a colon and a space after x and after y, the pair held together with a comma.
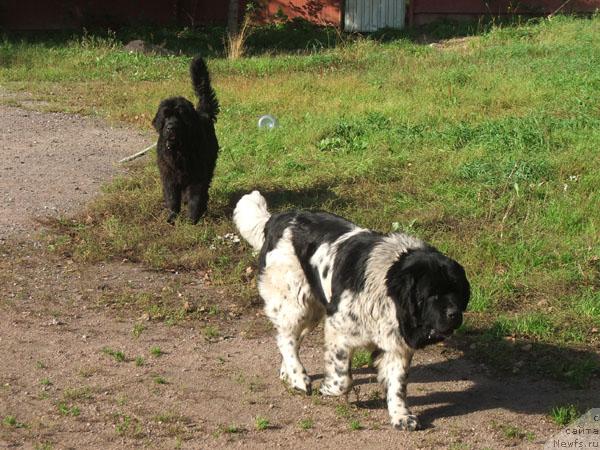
x: 451, y: 275
x: 158, y: 120
x: 401, y: 281
x: 458, y: 278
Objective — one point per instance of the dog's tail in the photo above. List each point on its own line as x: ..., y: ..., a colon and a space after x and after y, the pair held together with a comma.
x: 250, y: 216
x: 207, y: 99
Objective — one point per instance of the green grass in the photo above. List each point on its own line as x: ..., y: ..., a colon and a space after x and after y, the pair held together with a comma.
x: 361, y: 358
x: 489, y: 150
x: 564, y: 415
x: 139, y: 361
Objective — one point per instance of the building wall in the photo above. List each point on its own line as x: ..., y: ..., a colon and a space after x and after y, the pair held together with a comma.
x: 321, y: 12
x: 424, y: 11
x: 73, y: 14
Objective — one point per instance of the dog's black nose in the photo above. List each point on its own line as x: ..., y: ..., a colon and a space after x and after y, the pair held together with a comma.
x: 453, y: 314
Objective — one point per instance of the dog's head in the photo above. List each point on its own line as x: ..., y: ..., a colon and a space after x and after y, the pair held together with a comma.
x: 431, y: 292
x: 175, y: 119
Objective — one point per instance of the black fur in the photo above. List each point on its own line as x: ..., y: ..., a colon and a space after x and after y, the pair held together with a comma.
x: 187, y: 145
x: 350, y: 266
x: 431, y: 291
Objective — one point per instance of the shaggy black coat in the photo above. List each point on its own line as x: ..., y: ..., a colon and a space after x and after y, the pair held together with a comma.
x: 187, y: 145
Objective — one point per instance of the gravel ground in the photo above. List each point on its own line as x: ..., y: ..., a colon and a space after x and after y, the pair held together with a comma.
x: 53, y: 163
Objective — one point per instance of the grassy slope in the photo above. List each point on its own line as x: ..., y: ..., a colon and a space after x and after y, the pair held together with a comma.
x: 486, y: 148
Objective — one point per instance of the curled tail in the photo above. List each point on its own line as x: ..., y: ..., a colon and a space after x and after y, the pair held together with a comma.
x: 207, y: 99
x: 250, y: 216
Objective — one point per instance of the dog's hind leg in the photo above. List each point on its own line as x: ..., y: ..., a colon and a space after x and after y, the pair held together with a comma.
x: 292, y: 371
x: 284, y: 290
x: 197, y: 201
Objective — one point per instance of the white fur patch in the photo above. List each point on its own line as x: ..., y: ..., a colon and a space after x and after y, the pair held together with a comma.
x: 250, y: 216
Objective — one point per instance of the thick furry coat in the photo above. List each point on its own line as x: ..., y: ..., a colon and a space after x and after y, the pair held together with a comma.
x: 187, y: 145
x: 393, y: 293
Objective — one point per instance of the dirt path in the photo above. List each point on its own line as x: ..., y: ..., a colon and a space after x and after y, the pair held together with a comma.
x: 63, y: 324
x: 53, y: 163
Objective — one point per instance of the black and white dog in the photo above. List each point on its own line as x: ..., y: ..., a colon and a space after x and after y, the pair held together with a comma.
x: 187, y: 145
x: 393, y: 293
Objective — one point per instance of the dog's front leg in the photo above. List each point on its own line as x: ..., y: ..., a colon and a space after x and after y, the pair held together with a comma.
x: 393, y: 373
x: 337, y: 380
x: 172, y: 196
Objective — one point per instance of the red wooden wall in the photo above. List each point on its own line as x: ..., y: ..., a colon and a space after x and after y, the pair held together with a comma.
x: 321, y: 12
x: 424, y: 11
x: 61, y: 14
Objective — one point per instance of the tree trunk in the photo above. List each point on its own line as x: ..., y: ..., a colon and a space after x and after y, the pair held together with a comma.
x: 233, y: 17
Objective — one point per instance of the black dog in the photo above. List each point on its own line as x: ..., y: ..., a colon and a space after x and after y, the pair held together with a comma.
x: 187, y: 145
x: 393, y: 293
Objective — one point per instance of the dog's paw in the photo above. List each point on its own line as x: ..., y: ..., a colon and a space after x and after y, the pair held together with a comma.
x: 172, y: 217
x: 334, y: 388
x: 297, y: 383
x: 301, y: 383
x: 408, y: 422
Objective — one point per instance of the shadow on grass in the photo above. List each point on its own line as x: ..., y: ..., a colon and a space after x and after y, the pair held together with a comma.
x: 293, y: 36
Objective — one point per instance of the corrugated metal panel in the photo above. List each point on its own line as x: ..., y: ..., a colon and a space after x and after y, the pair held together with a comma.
x: 371, y: 15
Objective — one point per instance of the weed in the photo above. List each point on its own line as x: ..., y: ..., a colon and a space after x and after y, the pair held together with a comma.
x: 156, y: 351
x: 83, y: 393
x: 262, y: 423
x: 513, y: 432
x: 118, y: 355
x: 306, y: 424
x: 211, y: 332
x: 40, y: 365
x: 45, y: 382
x: 232, y: 429
x: 122, y: 423
x: 139, y: 361
x: 137, y: 330
x: 342, y: 410
x: 564, y: 415
x: 355, y: 425
x: 11, y: 421
x: 159, y: 380
x: 44, y: 446
x: 68, y: 410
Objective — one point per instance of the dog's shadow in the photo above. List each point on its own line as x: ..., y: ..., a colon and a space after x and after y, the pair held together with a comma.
x: 460, y: 386
x: 316, y: 197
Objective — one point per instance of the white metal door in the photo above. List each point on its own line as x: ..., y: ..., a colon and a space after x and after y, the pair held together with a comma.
x: 371, y: 15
